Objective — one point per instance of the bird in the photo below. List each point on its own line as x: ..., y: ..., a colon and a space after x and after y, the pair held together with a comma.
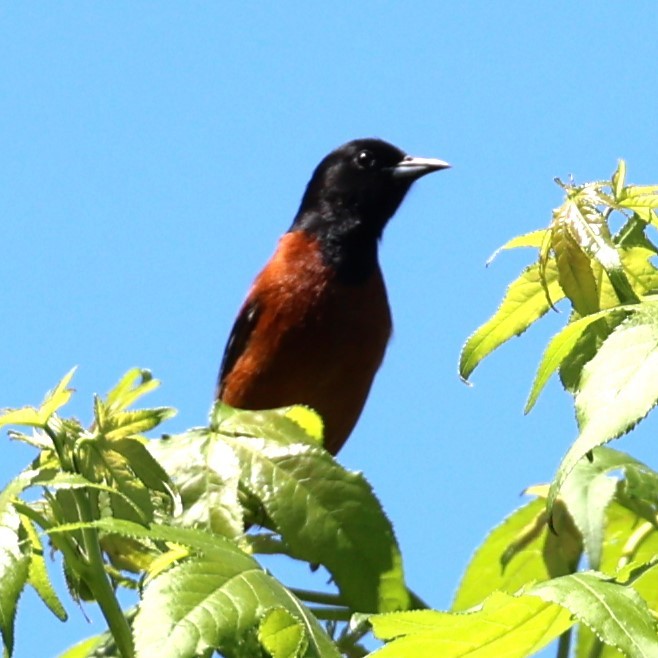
x: 316, y: 321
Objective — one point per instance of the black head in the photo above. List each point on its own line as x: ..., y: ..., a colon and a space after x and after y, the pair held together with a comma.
x: 352, y: 195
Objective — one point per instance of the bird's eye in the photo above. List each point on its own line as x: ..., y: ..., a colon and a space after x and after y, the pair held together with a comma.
x: 365, y: 159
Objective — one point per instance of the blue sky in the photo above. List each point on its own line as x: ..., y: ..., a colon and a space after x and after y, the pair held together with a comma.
x: 151, y: 155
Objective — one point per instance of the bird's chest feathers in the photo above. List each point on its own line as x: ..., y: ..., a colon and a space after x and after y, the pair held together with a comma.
x: 312, y: 312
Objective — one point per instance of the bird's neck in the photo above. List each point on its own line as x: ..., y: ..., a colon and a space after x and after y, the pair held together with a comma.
x: 347, y: 245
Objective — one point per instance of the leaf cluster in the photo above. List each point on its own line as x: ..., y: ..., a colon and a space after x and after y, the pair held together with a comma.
x: 529, y: 584
x: 607, y: 353
x: 181, y: 521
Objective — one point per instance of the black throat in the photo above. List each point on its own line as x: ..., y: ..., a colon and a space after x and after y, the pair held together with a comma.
x: 349, y: 246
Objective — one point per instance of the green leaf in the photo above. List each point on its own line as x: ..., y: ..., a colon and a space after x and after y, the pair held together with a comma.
x: 505, y: 625
x: 615, y: 612
x: 309, y: 420
x: 38, y: 574
x: 509, y: 557
x: 14, y: 566
x: 641, y: 199
x: 133, y: 385
x: 587, y: 492
x: 574, y: 270
x: 31, y: 417
x: 587, y: 226
x: 629, y: 540
x: 585, y: 348
x: 633, y: 234
x: 561, y: 345
x: 639, y: 268
x: 287, y: 426
x: 519, y: 625
x: 328, y: 516
x: 58, y: 397
x: 123, y: 424
x: 638, y: 491
x: 100, y: 462
x: 26, y: 416
x: 143, y: 465
x: 210, y: 601
x: 637, y: 254
x: 534, y: 239
x: 525, y: 301
x: 206, y: 473
x: 619, y: 178
x: 519, y: 551
x: 617, y: 388
x: 325, y: 514
x: 282, y: 634
x: 84, y: 649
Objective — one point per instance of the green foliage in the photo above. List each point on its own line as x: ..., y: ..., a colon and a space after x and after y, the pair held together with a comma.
x: 522, y: 589
x: 605, y: 357
x: 606, y: 351
x: 175, y: 512
x: 183, y: 520
x: 503, y: 625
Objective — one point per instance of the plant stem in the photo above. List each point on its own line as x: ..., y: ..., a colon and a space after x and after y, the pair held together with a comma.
x: 596, y: 649
x: 564, y: 644
x: 332, y: 614
x: 323, y: 598
x: 98, y: 581
x: 347, y: 643
x: 64, y: 460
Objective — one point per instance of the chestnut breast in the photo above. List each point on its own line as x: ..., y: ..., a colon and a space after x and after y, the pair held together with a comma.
x: 314, y: 340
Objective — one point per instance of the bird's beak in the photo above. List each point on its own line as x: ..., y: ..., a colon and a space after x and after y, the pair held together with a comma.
x: 411, y: 167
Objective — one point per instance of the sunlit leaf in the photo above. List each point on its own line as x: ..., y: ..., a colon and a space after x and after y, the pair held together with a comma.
x: 84, y: 649
x: 619, y: 178
x: 128, y: 554
x: 640, y: 199
x: 143, y: 465
x: 133, y: 385
x: 210, y: 601
x: 587, y: 226
x: 327, y: 516
x: 585, y: 348
x: 524, y: 302
x: 618, y: 387
x: 206, y: 473
x: 505, y: 625
x: 308, y: 420
x: 38, y: 574
x: 102, y: 463
x: 574, y: 271
x: 509, y: 557
x: 282, y: 634
x: 587, y: 493
x: 280, y: 425
x: 58, y: 397
x: 28, y: 416
x: 122, y: 424
x: 639, y: 268
x: 14, y: 568
x: 615, y: 612
x: 516, y: 626
x: 561, y: 345
x: 32, y: 417
x: 534, y: 239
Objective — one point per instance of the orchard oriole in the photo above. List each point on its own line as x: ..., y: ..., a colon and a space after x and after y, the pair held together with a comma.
x: 315, y: 324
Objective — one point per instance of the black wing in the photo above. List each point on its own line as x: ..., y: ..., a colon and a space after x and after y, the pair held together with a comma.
x: 237, y: 342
